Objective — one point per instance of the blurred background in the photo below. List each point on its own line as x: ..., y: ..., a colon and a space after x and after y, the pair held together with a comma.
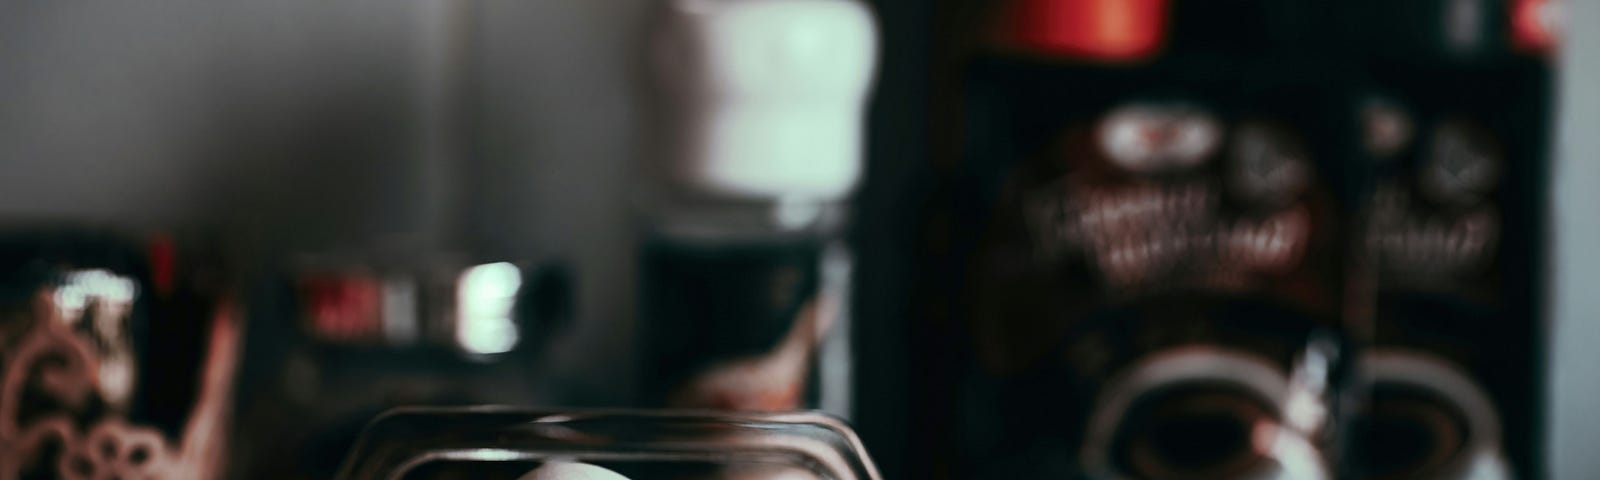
x: 314, y: 135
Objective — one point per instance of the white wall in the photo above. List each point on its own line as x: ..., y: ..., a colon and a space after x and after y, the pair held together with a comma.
x: 1575, y: 260
x: 272, y: 115
x: 557, y: 123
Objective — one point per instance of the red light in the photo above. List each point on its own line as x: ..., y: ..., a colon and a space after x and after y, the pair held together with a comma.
x: 163, y: 263
x: 344, y: 307
x: 1106, y: 30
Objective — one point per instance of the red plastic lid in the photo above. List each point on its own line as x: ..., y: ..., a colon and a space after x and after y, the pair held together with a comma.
x: 1534, y: 24
x: 1105, y: 30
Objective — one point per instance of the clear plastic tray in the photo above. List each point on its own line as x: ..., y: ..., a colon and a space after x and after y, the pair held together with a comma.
x: 512, y: 443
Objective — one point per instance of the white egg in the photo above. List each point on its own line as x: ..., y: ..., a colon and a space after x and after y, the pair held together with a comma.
x: 769, y: 472
x: 571, y: 471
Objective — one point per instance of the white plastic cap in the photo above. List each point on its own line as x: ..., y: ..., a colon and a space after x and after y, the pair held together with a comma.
x: 765, y: 97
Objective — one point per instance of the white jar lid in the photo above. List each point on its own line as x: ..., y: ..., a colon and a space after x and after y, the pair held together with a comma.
x: 765, y: 98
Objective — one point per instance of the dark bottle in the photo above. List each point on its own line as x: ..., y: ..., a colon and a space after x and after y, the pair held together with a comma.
x: 1147, y: 248
x: 744, y: 265
x: 1455, y: 124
